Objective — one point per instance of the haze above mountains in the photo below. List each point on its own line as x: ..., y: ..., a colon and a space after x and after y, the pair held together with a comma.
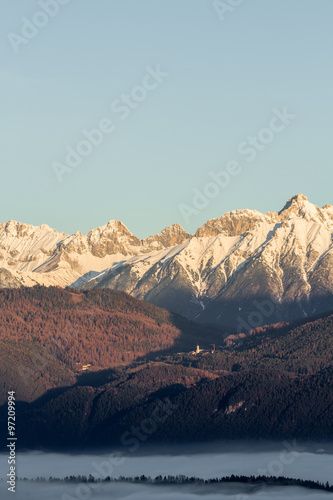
x: 224, y: 274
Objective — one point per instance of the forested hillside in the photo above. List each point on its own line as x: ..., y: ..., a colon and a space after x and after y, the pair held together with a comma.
x: 258, y: 404
x: 48, y: 334
x: 275, y: 383
x: 301, y: 348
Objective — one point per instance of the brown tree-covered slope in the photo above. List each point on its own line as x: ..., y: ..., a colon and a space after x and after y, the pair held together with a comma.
x: 278, y: 384
x: 48, y: 334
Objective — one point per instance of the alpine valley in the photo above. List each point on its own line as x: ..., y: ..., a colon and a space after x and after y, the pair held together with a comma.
x: 241, y: 270
x: 101, y: 333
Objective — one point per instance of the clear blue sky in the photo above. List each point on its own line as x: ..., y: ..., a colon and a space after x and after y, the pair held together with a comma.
x: 225, y: 78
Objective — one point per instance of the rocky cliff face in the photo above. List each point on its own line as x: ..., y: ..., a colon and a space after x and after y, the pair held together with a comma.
x: 243, y: 270
x: 7, y: 280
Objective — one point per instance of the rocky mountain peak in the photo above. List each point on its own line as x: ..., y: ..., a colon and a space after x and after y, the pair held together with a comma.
x: 232, y: 223
x: 300, y: 206
x: 238, y: 222
x: 18, y: 229
x: 114, y: 237
x: 168, y: 237
x: 110, y: 228
x: 14, y: 228
x: 295, y: 202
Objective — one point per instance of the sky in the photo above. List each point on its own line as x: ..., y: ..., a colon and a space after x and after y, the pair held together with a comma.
x: 202, y: 107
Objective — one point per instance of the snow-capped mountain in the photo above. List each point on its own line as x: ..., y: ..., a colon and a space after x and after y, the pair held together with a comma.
x: 243, y: 270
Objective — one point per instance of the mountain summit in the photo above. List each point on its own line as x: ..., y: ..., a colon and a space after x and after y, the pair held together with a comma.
x: 222, y: 274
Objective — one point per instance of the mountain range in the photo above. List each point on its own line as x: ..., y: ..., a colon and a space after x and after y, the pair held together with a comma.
x: 242, y: 270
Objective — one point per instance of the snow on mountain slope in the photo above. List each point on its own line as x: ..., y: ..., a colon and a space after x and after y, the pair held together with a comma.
x: 23, y: 247
x: 216, y: 276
